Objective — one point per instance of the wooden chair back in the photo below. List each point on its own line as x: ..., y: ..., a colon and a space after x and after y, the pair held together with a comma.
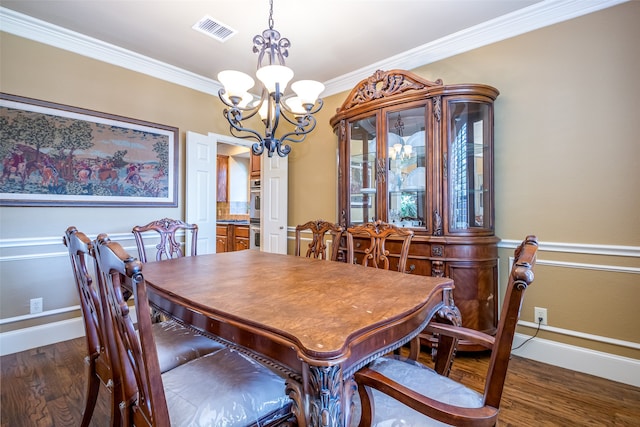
x: 98, y: 357
x: 318, y: 246
x: 144, y: 402
x: 169, y: 246
x: 376, y: 253
x: 520, y: 278
x: 416, y: 396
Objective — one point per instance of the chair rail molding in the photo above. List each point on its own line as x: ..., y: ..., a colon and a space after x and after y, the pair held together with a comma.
x: 579, y: 248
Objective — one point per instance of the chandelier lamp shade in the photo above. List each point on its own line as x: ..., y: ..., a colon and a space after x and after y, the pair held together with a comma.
x: 273, y: 105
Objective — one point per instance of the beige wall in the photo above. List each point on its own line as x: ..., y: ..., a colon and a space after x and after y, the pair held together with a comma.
x: 566, y: 162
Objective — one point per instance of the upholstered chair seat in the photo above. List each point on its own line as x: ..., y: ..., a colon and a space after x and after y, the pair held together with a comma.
x: 225, y: 389
x: 178, y: 344
x: 419, y: 378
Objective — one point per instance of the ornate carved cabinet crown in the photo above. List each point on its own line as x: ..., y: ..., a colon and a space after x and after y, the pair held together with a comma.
x: 419, y: 154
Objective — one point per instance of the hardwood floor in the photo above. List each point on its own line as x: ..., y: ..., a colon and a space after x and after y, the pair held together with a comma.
x: 45, y: 387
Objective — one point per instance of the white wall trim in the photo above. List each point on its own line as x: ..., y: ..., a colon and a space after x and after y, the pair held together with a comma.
x: 578, y: 248
x: 536, y: 16
x: 38, y: 336
x: 528, y: 19
x: 583, y: 335
x: 583, y: 266
x: 35, y: 29
x: 46, y: 241
x: 49, y: 333
x: 605, y: 365
x: 47, y: 313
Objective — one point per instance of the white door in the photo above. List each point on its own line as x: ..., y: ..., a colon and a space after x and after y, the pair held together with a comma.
x: 201, y: 189
x: 273, y: 209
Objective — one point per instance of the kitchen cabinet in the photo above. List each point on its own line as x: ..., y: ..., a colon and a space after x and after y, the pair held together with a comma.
x: 222, y: 191
x: 221, y: 238
x: 231, y: 237
x: 241, y: 237
x: 419, y: 154
x: 254, y: 166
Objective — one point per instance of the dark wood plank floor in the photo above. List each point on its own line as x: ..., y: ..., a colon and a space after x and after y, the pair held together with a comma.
x: 45, y: 387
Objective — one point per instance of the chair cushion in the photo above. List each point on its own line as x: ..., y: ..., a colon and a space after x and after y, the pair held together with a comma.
x: 222, y: 389
x: 389, y: 412
x: 178, y: 344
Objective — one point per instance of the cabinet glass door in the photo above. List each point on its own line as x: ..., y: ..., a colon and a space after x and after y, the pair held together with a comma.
x: 406, y: 171
x: 468, y: 166
x: 362, y: 170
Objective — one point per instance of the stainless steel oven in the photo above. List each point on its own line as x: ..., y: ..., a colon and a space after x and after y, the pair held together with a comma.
x: 254, y: 199
x: 254, y: 214
x: 254, y: 235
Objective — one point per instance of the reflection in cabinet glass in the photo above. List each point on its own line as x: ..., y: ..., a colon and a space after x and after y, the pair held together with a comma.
x: 419, y: 154
x: 362, y: 176
x: 468, y: 159
x: 406, y: 174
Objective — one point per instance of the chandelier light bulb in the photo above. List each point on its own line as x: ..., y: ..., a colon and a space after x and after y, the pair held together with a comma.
x: 245, y: 99
x: 307, y: 90
x: 269, y: 75
x: 295, y: 105
x: 264, y: 111
x: 236, y: 83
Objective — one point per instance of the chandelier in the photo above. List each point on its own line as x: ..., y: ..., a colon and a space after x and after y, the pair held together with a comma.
x: 273, y: 105
x: 400, y: 150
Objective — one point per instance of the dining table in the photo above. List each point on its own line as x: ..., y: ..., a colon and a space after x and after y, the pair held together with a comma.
x: 315, y: 321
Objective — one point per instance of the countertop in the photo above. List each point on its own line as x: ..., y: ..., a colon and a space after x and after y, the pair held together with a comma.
x: 233, y: 221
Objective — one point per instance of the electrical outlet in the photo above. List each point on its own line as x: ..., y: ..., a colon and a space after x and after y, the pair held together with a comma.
x: 36, y: 305
x: 540, y: 315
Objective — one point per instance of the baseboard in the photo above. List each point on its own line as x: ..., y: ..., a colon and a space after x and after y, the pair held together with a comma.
x: 605, y: 365
x: 41, y: 335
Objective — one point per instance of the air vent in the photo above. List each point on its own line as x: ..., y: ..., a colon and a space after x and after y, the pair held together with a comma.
x: 213, y: 28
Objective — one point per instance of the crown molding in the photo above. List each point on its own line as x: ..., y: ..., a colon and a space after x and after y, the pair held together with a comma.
x: 536, y: 16
x: 35, y: 29
x: 531, y: 18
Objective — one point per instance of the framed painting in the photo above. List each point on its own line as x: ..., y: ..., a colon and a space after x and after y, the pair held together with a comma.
x: 58, y: 155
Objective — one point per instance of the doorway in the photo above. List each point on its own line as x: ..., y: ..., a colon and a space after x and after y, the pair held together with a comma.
x: 201, y: 185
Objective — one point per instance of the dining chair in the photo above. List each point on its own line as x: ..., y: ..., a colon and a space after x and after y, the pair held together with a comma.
x: 406, y: 393
x: 176, y: 343
x: 98, y: 358
x: 224, y: 388
x: 169, y: 246
x: 379, y: 234
x: 318, y: 246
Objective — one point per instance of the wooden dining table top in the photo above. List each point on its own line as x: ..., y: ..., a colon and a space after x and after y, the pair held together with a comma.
x: 319, y: 307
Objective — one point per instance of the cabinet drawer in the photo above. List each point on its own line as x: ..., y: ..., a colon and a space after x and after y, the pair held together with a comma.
x: 242, y: 231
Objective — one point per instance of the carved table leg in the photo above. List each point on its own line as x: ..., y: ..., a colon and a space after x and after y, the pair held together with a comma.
x: 294, y: 390
x: 329, y: 394
x: 449, y: 312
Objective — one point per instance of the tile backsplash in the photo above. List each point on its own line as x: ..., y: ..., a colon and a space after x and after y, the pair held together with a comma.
x: 233, y: 210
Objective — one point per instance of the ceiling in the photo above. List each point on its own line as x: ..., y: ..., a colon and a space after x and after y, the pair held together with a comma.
x: 338, y: 42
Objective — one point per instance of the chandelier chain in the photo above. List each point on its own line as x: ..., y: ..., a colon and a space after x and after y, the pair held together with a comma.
x: 271, y: 14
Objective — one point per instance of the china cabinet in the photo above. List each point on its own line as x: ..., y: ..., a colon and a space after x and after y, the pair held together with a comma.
x: 419, y: 154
